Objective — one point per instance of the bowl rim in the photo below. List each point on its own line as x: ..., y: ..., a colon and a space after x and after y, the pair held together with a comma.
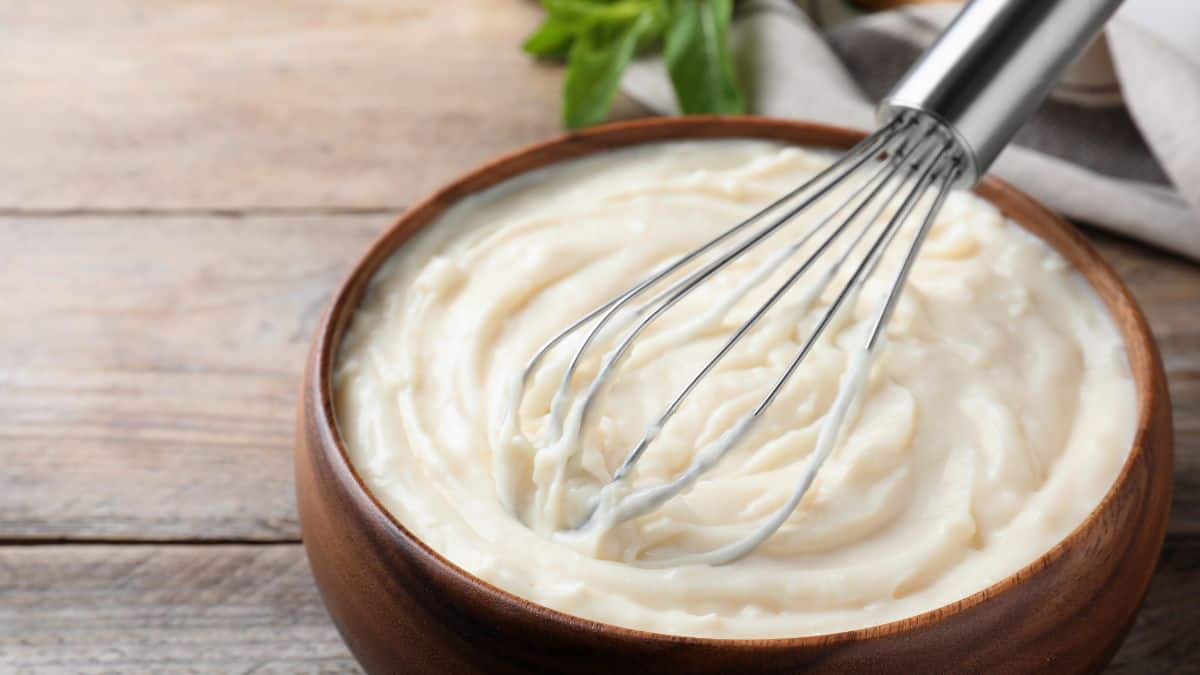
x: 1137, y: 339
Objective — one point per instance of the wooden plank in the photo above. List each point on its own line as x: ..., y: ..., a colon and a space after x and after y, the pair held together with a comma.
x: 174, y: 609
x: 147, y: 104
x: 148, y: 370
x: 93, y: 609
x: 1166, y: 635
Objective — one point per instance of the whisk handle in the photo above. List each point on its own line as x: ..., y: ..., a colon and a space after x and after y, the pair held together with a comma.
x: 993, y: 66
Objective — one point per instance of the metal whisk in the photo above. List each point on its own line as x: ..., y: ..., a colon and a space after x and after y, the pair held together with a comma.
x: 943, y: 125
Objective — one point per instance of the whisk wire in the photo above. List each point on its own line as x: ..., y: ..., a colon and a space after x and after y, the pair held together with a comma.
x: 647, y: 499
x: 855, y: 375
x: 876, y: 182
x: 827, y: 180
x: 913, y: 154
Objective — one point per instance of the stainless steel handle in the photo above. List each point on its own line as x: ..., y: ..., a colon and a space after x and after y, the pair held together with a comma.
x: 992, y: 66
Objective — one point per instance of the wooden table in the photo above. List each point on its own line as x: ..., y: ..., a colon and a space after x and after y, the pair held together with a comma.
x: 182, y: 184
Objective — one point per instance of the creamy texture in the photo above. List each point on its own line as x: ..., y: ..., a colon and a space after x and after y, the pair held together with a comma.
x: 994, y: 418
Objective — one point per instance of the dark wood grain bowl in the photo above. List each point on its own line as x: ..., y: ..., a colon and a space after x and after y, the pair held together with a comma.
x: 403, y: 608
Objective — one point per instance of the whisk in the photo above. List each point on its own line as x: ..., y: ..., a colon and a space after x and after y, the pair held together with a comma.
x: 942, y: 126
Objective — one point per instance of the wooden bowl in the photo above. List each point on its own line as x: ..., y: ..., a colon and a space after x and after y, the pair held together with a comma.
x: 403, y: 608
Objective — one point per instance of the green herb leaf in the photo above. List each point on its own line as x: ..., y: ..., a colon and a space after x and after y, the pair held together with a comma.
x: 660, y: 12
x: 594, y: 70
x: 698, y: 57
x: 552, y: 40
x: 600, y: 37
x: 623, y: 12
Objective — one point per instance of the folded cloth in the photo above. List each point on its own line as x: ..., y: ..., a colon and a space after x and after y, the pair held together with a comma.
x: 1124, y: 156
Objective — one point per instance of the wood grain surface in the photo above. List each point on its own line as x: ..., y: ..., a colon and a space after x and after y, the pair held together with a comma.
x: 202, y: 104
x: 149, y: 368
x: 253, y: 608
x: 182, y: 184
x: 103, y: 609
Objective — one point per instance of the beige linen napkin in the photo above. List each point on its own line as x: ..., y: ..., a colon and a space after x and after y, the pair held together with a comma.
x: 1121, y: 155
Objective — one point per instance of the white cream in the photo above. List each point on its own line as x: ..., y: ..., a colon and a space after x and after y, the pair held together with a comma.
x: 997, y: 414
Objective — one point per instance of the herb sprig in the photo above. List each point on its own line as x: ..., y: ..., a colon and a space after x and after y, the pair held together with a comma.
x: 598, y: 39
